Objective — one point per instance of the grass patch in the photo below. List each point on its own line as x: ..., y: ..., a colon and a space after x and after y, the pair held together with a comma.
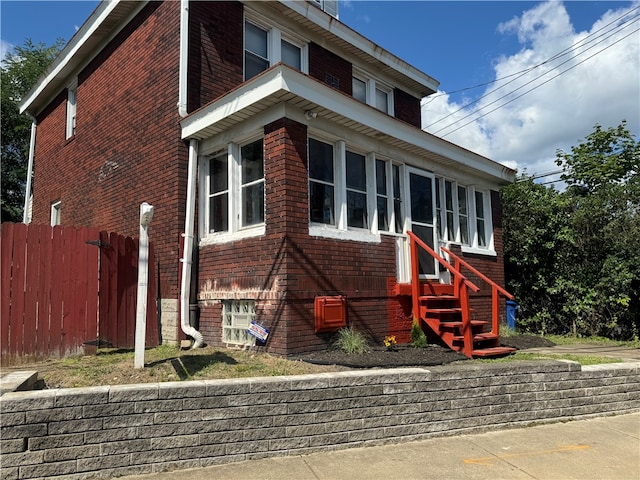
x: 569, y: 340
x: 523, y: 356
x: 165, y: 364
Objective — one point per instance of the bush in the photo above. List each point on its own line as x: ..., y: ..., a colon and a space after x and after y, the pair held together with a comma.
x: 351, y: 341
x: 418, y: 337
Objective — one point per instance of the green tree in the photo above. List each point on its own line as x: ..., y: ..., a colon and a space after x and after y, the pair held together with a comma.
x: 572, y: 257
x: 19, y: 71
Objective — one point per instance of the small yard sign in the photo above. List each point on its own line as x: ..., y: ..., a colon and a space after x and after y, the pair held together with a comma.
x: 258, y: 331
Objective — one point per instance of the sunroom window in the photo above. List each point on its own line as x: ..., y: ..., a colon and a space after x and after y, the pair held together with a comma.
x: 321, y: 182
x: 462, y: 214
x: 356, y: 191
x: 232, y: 182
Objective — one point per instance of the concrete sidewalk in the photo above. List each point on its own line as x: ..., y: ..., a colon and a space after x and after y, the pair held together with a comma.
x: 597, y: 448
x: 624, y: 353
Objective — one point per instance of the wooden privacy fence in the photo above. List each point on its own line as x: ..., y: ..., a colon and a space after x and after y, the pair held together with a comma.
x: 66, y: 290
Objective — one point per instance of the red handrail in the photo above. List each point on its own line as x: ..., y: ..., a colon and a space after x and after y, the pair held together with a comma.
x: 461, y: 284
x: 496, y: 289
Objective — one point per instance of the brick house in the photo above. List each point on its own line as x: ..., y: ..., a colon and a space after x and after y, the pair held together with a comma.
x: 286, y: 145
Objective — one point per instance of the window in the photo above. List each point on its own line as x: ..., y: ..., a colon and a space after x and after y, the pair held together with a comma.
x: 462, y: 215
x: 291, y: 55
x: 372, y: 93
x: 356, y: 191
x: 256, y: 55
x: 389, y: 197
x: 236, y: 320
x: 481, y: 240
x: 219, y: 194
x: 233, y: 189
x: 265, y: 46
x: 72, y: 91
x: 56, y: 210
x: 252, y: 186
x: 321, y: 182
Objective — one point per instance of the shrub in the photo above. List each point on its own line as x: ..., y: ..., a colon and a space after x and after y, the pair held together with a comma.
x: 351, y: 341
x: 418, y: 337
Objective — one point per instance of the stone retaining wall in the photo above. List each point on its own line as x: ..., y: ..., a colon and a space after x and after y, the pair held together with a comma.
x: 105, y: 432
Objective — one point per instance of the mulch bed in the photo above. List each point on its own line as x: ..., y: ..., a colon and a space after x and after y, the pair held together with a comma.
x: 406, y: 356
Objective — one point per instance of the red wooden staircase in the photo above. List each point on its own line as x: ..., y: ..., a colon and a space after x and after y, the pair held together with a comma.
x: 444, y: 308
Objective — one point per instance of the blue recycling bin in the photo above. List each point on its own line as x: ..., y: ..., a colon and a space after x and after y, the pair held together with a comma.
x: 512, y: 308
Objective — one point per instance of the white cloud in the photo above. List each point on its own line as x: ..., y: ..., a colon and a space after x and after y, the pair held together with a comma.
x: 5, y: 47
x: 525, y: 133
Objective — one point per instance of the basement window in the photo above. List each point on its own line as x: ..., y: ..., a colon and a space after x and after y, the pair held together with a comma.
x: 236, y: 319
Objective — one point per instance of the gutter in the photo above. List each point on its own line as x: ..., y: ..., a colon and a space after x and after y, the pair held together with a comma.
x: 27, y: 190
x: 190, y: 207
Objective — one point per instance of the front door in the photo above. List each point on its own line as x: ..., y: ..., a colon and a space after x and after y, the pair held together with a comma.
x: 422, y: 218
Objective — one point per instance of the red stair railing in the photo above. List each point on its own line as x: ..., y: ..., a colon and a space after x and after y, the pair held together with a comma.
x: 460, y: 283
x: 496, y: 289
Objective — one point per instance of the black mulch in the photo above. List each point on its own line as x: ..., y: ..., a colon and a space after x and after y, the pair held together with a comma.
x: 406, y: 356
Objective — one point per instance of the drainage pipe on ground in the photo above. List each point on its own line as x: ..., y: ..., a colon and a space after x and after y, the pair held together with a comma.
x: 187, y: 257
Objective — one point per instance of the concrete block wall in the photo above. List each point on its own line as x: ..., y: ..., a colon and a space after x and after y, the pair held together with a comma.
x: 110, y: 431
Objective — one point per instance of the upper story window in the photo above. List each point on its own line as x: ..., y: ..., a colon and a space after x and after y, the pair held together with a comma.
x: 232, y: 183
x: 72, y: 92
x: 265, y: 46
x: 372, y: 92
x: 462, y: 214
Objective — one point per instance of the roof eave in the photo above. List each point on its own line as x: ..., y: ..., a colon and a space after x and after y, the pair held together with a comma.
x: 281, y: 84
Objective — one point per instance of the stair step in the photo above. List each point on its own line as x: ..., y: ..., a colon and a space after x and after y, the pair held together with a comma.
x: 443, y: 310
x: 492, y: 351
x: 474, y: 323
x: 479, y: 337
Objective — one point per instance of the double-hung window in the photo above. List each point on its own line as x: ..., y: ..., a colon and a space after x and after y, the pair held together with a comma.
x: 233, y: 186
x: 321, y: 182
x: 265, y: 46
x: 356, y: 182
x: 389, y: 197
x: 256, y: 50
x: 372, y: 92
x: 72, y: 93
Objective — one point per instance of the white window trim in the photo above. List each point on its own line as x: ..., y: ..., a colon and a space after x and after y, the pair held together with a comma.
x: 236, y: 230
x: 275, y: 35
x: 341, y: 230
x: 471, y: 190
x: 72, y: 101
x: 56, y: 213
x: 389, y: 164
x: 371, y: 85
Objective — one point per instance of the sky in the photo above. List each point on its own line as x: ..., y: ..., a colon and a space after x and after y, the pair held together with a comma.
x: 549, y: 71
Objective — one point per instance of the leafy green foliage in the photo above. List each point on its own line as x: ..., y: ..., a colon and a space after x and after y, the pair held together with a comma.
x: 18, y: 73
x: 351, y: 341
x: 418, y: 337
x: 572, y: 257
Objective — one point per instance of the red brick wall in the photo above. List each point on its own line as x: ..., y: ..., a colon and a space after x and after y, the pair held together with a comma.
x: 330, y: 68
x: 285, y: 269
x: 407, y: 108
x: 215, y: 50
x: 127, y: 146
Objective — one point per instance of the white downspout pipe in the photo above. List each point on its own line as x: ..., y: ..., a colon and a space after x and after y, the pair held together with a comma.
x: 187, y: 256
x: 27, y: 190
x: 184, y: 57
x: 189, y: 223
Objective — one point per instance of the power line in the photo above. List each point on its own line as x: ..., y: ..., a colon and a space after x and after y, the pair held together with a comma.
x: 531, y: 89
x: 529, y: 69
x: 560, y: 54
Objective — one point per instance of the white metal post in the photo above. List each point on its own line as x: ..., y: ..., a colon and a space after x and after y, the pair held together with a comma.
x: 146, y: 214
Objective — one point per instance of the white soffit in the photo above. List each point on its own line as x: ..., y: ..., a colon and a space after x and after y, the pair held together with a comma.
x: 281, y: 84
